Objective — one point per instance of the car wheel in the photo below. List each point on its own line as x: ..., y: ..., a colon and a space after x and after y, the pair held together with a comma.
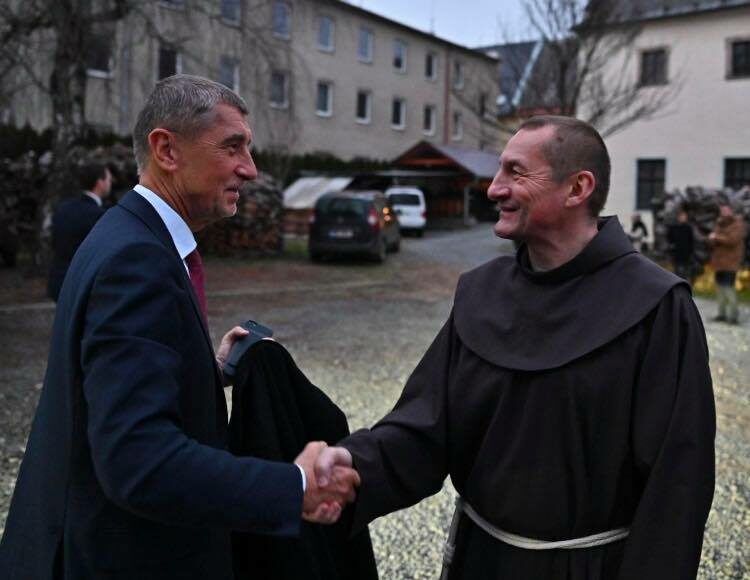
x: 315, y: 257
x: 420, y: 232
x: 396, y: 246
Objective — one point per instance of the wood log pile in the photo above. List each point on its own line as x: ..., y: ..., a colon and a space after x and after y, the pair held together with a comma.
x: 257, y: 229
x: 702, y: 207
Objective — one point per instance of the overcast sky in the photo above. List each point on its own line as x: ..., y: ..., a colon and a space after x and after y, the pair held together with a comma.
x: 468, y: 22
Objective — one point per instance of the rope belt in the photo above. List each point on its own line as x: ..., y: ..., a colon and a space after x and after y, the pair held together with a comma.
x: 519, y: 541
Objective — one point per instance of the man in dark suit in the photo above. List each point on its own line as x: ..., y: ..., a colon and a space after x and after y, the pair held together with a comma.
x: 74, y: 219
x: 126, y: 474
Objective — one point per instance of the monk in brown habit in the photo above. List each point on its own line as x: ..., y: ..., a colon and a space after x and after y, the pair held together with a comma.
x: 567, y: 396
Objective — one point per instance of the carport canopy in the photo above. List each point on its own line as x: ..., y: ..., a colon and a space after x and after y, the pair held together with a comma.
x: 305, y: 191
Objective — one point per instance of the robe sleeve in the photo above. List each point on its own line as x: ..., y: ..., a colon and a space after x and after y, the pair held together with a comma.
x: 404, y: 457
x: 673, y: 429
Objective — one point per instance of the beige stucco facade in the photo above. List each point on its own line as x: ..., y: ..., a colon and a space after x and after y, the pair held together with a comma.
x: 114, y: 99
x: 707, y: 122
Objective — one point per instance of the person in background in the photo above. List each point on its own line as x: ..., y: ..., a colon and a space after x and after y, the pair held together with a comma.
x: 681, y: 246
x: 638, y: 233
x: 74, y: 219
x: 727, y: 252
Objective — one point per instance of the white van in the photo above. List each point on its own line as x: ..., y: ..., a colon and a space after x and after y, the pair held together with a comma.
x: 409, y: 205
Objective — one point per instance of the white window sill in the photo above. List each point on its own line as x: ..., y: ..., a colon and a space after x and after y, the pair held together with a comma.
x: 100, y: 74
x: 398, y: 127
x: 280, y: 106
x: 326, y: 114
x: 364, y: 121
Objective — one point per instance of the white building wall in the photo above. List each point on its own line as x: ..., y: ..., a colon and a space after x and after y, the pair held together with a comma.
x: 708, y: 121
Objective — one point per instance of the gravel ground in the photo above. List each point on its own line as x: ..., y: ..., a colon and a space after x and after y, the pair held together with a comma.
x: 358, y: 331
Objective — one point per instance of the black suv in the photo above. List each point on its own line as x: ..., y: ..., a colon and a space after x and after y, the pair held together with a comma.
x: 353, y: 222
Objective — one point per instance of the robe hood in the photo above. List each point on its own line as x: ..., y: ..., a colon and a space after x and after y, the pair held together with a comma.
x: 518, y: 318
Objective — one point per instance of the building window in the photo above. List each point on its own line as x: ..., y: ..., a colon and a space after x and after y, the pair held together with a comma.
x: 739, y: 59
x: 173, y: 3
x: 324, y: 99
x: 482, y: 106
x: 364, y: 107
x: 282, y: 16
x: 457, y: 132
x: 737, y: 173
x: 326, y: 33
x: 428, y: 119
x: 230, y: 11
x: 229, y: 73
x: 458, y: 74
x: 170, y: 62
x: 430, y: 66
x: 399, y: 56
x: 365, y: 45
x: 650, y: 184
x: 99, y: 56
x: 398, y: 113
x: 654, y: 67
x: 279, y: 90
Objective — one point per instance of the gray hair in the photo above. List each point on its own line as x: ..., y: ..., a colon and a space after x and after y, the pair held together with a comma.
x: 183, y: 104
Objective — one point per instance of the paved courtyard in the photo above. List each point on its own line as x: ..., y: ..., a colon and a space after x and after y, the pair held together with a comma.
x: 357, y: 331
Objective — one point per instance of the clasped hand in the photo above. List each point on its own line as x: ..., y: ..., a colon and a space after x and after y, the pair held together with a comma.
x: 331, y: 482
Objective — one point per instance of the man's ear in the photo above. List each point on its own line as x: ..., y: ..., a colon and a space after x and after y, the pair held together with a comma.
x: 164, y: 150
x: 582, y: 185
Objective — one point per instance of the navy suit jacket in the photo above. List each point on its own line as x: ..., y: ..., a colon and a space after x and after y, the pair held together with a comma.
x: 71, y: 223
x: 126, y: 474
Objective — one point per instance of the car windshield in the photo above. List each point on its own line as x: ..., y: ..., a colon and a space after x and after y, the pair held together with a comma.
x: 343, y: 207
x: 404, y: 199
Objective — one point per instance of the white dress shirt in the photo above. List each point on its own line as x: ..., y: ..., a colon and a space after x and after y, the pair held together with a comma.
x: 95, y: 197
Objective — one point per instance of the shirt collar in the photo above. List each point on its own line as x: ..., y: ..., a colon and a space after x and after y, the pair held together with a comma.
x: 181, y: 235
x: 93, y: 196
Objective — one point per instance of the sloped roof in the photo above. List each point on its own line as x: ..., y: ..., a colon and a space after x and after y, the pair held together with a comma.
x: 303, y: 193
x: 529, y: 75
x: 480, y: 164
x: 642, y: 10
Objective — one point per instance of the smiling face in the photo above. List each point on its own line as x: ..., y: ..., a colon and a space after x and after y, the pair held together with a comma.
x: 213, y: 166
x: 529, y: 200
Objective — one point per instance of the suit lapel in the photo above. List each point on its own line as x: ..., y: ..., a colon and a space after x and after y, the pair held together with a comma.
x: 136, y: 204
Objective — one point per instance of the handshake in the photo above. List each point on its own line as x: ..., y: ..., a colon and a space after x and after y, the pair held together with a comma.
x: 330, y: 482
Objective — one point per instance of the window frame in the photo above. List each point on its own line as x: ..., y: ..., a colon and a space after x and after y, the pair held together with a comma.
x: 403, y: 69
x: 177, y: 63
x: 641, y: 71
x: 431, y: 54
x: 368, y: 106
x: 235, y: 65
x: 433, y: 108
x: 746, y: 171
x: 102, y: 73
x: 282, y: 35
x: 332, y: 46
x: 370, y: 57
x: 329, y: 101
x: 458, y: 81
x: 402, y: 125
x: 237, y: 21
x: 457, y: 125
x: 285, y: 90
x: 731, y: 74
x: 640, y: 203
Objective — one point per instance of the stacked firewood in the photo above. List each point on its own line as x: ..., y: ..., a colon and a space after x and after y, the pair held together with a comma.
x: 257, y: 229
x: 702, y: 207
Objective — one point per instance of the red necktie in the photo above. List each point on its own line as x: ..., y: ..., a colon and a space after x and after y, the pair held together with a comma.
x: 195, y: 269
